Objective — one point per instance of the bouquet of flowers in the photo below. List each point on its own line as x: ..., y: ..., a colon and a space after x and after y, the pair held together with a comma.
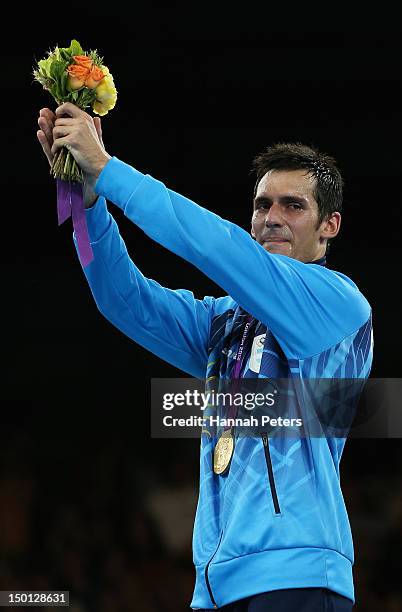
x: 73, y: 75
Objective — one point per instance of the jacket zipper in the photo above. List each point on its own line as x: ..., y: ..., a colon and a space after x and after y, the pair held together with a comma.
x: 274, y: 494
x: 206, y: 574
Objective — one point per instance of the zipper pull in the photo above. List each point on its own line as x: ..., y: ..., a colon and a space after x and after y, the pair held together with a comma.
x: 264, y: 438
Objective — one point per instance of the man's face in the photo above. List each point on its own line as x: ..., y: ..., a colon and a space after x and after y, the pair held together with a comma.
x: 285, y: 218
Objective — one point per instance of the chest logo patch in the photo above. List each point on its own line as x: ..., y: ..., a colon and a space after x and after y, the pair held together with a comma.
x: 256, y: 353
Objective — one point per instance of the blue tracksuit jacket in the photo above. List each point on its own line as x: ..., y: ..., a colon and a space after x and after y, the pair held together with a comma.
x: 277, y: 519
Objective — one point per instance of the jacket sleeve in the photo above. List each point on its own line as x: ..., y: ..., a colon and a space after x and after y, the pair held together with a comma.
x: 308, y: 307
x: 170, y: 323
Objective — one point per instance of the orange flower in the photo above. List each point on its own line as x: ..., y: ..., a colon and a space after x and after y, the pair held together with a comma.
x: 94, y: 78
x: 77, y: 76
x: 83, y: 60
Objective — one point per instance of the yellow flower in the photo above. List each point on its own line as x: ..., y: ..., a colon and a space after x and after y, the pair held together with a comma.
x: 106, y: 94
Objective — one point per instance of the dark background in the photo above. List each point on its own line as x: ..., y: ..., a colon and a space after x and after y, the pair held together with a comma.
x: 88, y: 501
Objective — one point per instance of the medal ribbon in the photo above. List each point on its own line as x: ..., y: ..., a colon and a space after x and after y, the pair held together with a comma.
x: 238, y: 364
x: 70, y: 202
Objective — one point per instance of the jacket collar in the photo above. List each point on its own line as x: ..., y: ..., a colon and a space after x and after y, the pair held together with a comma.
x: 320, y: 262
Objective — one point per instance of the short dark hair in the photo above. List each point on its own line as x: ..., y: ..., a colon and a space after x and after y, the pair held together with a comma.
x: 297, y: 156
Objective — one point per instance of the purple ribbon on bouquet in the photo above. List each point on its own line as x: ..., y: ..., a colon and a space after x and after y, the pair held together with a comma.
x: 70, y: 202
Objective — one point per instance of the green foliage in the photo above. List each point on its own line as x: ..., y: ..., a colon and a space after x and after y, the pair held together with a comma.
x: 63, y: 84
x: 56, y: 69
x: 97, y: 60
x: 65, y: 55
x: 75, y: 48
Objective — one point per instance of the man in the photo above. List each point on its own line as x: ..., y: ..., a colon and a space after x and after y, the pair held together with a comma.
x: 271, y: 530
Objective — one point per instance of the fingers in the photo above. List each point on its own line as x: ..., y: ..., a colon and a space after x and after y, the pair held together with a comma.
x: 45, y: 145
x: 46, y: 126
x: 69, y: 109
x: 61, y: 130
x: 98, y: 128
x: 45, y: 136
x: 65, y: 121
x: 46, y: 112
x: 59, y: 143
x: 49, y: 132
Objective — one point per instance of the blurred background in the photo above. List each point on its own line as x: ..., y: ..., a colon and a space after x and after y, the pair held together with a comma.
x: 89, y: 502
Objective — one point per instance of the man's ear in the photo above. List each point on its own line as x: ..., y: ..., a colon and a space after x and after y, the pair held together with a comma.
x: 330, y: 228
x: 252, y: 232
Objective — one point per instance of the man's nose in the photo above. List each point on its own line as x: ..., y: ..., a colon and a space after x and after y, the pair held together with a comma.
x: 273, y: 217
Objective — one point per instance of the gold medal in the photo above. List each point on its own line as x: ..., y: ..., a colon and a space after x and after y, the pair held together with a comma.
x: 223, y: 452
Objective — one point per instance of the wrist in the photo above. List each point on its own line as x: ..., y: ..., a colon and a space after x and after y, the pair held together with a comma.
x: 89, y: 193
x: 98, y: 167
x: 90, y: 202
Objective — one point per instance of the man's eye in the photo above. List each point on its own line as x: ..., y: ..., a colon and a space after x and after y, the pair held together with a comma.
x: 296, y: 206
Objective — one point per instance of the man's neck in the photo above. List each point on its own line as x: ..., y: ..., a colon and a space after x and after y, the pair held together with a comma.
x: 321, y: 261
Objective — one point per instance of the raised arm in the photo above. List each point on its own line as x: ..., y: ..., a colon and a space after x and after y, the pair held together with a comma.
x: 308, y: 307
x: 170, y: 323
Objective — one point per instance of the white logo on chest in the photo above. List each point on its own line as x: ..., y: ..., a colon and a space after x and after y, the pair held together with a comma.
x: 256, y: 353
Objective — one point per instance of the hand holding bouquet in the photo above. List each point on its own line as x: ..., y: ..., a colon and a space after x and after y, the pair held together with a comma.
x: 71, y: 75
x: 80, y: 79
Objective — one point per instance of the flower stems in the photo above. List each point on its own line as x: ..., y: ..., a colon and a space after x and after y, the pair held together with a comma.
x: 65, y: 167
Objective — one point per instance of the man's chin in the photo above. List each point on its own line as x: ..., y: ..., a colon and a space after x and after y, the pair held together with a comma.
x: 283, y: 248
